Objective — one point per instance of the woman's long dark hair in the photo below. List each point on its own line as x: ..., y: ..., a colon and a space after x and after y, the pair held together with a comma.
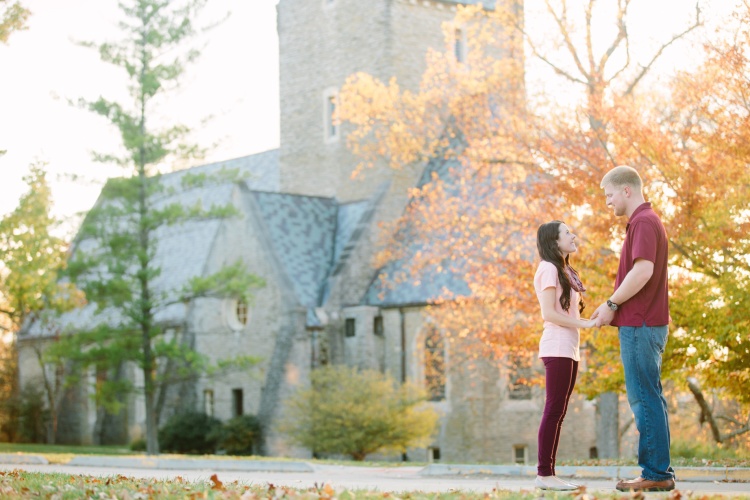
x: 546, y: 243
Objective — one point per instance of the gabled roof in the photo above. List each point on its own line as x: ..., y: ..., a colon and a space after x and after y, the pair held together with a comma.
x: 183, y: 250
x: 394, y: 285
x: 312, y: 238
x: 302, y: 233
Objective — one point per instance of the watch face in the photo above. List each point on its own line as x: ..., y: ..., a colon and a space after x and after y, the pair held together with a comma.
x: 612, y: 305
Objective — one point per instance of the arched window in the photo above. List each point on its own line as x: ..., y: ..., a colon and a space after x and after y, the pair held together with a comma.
x: 519, y: 383
x: 237, y: 313
x: 434, y: 365
x: 242, y: 312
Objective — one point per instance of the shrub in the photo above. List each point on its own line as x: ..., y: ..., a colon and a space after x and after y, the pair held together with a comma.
x: 189, y: 432
x: 29, y: 417
x: 239, y: 435
x: 355, y: 413
x: 692, y: 449
x: 138, y: 445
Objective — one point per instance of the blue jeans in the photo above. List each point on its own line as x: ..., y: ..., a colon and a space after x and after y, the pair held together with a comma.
x: 641, y: 349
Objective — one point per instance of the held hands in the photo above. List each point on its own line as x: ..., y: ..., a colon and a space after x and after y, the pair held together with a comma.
x: 603, y: 315
x: 589, y: 323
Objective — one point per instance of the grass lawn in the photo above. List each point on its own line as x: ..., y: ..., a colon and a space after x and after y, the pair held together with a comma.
x: 19, y: 484
x: 60, y: 454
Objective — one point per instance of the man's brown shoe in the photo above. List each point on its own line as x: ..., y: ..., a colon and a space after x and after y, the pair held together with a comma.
x: 640, y: 484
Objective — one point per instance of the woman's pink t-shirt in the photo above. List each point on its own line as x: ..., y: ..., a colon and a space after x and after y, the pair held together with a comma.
x: 557, y: 341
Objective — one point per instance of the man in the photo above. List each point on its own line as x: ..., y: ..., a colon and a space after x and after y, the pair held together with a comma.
x: 640, y: 308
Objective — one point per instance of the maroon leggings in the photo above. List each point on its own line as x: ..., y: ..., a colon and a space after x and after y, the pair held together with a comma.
x: 560, y: 380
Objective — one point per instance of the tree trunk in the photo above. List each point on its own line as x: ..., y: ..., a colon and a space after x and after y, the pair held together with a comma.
x: 695, y: 388
x: 607, y: 425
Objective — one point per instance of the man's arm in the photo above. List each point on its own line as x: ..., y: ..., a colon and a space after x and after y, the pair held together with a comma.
x: 635, y: 280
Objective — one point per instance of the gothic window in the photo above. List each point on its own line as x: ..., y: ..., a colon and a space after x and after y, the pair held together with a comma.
x: 519, y: 384
x: 434, y: 365
x: 331, y: 117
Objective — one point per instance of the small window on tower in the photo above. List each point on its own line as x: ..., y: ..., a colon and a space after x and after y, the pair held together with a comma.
x: 331, y: 117
x: 459, y: 45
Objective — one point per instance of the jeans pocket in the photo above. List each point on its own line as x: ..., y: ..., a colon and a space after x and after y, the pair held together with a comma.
x: 658, y: 337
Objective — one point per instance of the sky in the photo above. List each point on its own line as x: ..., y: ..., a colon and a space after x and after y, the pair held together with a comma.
x: 42, y: 69
x: 235, y: 81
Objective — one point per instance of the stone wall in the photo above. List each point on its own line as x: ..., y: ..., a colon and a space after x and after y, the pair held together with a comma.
x: 323, y: 43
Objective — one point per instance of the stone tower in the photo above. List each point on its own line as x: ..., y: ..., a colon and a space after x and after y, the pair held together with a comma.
x: 321, y: 43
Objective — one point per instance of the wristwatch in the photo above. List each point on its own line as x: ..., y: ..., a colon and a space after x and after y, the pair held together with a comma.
x: 612, y: 305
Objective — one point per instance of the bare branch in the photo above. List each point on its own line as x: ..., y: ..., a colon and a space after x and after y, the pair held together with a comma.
x: 626, y: 64
x: 564, y: 31
x: 544, y: 59
x: 622, y: 34
x: 646, y: 68
x: 589, y: 45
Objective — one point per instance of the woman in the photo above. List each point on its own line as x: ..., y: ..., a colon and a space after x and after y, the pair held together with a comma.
x: 559, y: 291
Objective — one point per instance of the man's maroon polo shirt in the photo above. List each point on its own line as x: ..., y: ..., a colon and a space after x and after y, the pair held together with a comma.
x: 645, y: 238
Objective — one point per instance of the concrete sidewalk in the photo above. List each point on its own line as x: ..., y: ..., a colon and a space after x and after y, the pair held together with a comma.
x: 699, y: 474
x: 693, y: 474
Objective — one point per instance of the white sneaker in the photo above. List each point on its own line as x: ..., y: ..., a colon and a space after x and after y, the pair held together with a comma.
x: 553, y: 483
x: 571, y: 483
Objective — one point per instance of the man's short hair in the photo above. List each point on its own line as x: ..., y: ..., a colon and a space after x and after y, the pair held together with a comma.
x: 622, y: 176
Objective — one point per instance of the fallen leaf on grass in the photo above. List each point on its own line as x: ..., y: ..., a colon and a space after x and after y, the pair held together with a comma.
x: 218, y: 485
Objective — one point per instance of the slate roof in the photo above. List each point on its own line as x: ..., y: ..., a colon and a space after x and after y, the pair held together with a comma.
x: 302, y: 232
x: 191, y: 241
x: 488, y: 4
x: 312, y: 238
x: 394, y: 286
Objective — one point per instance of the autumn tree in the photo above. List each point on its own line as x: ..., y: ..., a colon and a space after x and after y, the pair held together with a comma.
x: 511, y: 158
x: 13, y: 17
x: 692, y: 143
x: 33, y: 258
x: 356, y: 413
x: 115, y: 255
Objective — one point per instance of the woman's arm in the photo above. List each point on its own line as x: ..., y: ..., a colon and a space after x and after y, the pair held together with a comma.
x: 547, y: 302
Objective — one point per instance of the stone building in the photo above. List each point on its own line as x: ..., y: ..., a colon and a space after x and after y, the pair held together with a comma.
x: 310, y: 231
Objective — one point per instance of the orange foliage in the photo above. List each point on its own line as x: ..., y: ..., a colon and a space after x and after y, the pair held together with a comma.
x: 514, y: 163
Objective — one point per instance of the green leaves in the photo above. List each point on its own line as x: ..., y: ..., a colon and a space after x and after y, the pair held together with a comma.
x: 116, y: 258
x: 33, y: 257
x: 230, y: 281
